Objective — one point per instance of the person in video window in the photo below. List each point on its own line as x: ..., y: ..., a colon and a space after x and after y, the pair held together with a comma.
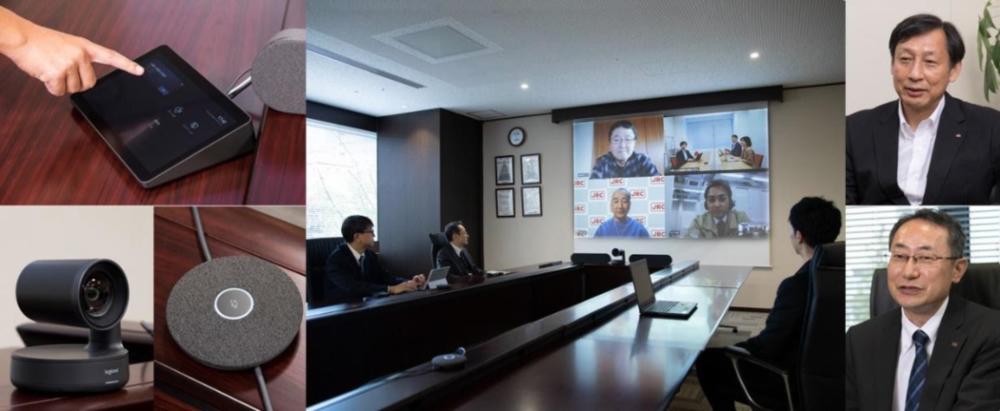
x: 720, y: 218
x: 622, y: 160
x: 620, y: 224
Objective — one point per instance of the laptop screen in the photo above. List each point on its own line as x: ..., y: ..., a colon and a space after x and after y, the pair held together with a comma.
x: 435, y: 275
x: 643, y: 284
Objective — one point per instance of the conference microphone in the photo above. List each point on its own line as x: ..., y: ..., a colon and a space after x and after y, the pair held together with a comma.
x: 278, y: 73
x: 450, y: 361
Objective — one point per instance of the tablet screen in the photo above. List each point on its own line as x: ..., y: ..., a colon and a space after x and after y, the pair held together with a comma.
x: 154, y: 121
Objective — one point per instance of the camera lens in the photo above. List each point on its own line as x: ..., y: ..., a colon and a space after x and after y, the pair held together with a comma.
x: 97, y: 294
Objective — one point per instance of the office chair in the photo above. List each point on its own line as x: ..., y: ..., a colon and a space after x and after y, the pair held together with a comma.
x: 590, y: 258
x: 655, y: 261
x: 758, y: 159
x: 980, y: 284
x: 317, y: 251
x: 438, y: 241
x: 816, y: 370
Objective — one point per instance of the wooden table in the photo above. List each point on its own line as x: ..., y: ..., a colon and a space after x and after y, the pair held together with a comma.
x: 51, y: 155
x: 136, y: 395
x: 598, y: 354
x: 182, y: 383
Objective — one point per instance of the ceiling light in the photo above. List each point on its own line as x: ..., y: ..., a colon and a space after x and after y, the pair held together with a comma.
x: 524, y: 86
x: 754, y: 55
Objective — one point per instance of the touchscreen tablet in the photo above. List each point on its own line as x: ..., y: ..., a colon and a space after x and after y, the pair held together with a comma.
x: 158, y: 120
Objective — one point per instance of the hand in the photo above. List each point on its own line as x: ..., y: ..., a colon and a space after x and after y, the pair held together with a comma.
x: 61, y: 61
x: 419, y: 279
x: 403, y: 287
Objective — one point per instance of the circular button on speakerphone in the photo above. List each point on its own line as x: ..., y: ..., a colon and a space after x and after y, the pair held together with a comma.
x: 233, y: 303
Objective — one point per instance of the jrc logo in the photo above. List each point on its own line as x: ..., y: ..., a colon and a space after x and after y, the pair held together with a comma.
x: 596, y: 220
x: 638, y: 193
x: 580, y: 208
x: 658, y: 233
x: 640, y: 218
x: 578, y: 183
x: 657, y: 207
x: 111, y: 371
x: 617, y: 181
x: 656, y: 180
x: 581, y: 233
x: 598, y: 195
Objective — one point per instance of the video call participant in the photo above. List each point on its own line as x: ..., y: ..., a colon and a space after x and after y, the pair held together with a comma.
x: 746, y: 152
x: 353, y: 271
x: 59, y: 60
x: 683, y: 155
x: 814, y: 221
x: 621, y: 159
x: 936, y: 352
x: 927, y: 147
x: 720, y: 219
x: 463, y: 270
x: 620, y: 224
x: 737, y: 148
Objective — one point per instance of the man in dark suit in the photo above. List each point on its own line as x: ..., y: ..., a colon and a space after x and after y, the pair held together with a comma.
x: 938, y: 352
x: 353, y: 270
x: 737, y: 149
x: 928, y: 147
x: 454, y: 255
x: 683, y: 155
x: 814, y: 221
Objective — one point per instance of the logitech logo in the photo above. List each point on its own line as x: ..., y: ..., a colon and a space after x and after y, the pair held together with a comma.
x: 111, y: 371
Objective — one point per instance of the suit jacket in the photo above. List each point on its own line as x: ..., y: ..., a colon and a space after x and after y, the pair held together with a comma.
x: 779, y: 342
x: 965, y: 159
x: 964, y: 369
x: 461, y: 265
x: 684, y: 156
x: 346, y: 280
x: 737, y: 149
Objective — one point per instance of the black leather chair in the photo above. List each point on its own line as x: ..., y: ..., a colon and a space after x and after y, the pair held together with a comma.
x: 317, y: 251
x: 808, y: 384
x: 655, y: 261
x: 980, y: 284
x: 438, y: 241
x: 590, y: 258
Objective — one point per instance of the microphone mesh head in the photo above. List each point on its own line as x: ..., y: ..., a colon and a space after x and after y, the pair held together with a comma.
x: 234, y: 313
x: 279, y: 72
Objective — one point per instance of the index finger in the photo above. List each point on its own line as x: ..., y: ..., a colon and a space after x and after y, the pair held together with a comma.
x: 104, y: 55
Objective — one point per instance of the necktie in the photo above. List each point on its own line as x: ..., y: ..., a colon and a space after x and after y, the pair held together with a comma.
x: 361, y: 262
x: 918, y: 374
x: 720, y: 228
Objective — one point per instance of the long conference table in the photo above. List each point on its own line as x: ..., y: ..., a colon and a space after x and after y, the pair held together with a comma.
x: 561, y: 337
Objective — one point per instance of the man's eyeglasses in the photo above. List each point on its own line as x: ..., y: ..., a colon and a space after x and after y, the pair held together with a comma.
x: 920, y: 260
x: 621, y: 141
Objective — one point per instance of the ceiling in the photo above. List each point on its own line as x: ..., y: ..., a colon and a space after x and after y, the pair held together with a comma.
x: 568, y: 52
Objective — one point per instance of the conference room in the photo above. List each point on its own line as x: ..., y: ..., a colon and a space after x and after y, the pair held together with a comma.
x: 497, y: 193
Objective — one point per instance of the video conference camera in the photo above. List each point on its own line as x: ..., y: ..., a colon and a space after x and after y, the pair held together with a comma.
x: 83, y: 293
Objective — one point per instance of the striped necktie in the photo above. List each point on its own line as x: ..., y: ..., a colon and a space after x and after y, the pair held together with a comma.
x: 918, y: 374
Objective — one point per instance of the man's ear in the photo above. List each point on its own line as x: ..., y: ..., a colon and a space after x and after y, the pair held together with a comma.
x: 959, y: 271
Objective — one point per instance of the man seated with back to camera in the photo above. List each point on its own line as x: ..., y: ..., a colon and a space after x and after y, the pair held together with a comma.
x: 814, y: 221
x: 353, y: 270
x: 463, y: 271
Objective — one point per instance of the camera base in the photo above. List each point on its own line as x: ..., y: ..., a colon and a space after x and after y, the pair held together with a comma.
x: 69, y: 368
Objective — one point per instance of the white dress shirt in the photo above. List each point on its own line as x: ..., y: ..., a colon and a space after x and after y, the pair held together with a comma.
x: 908, y: 352
x: 915, y: 148
x: 458, y: 250
x: 357, y: 255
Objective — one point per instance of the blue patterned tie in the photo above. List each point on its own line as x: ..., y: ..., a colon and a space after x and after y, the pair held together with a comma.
x: 918, y: 374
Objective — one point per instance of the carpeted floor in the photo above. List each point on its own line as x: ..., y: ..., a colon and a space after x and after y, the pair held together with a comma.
x: 690, y: 396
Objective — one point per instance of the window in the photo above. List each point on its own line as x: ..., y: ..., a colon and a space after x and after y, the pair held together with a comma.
x: 868, y: 244
x: 340, y: 177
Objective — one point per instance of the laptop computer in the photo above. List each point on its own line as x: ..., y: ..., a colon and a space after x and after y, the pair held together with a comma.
x: 648, y: 305
x: 435, y: 275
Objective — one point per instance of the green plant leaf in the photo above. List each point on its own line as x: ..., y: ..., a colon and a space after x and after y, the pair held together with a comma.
x: 990, y: 81
x: 979, y: 49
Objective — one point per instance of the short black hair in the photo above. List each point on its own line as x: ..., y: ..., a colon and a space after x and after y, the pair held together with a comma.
x: 355, y: 224
x: 747, y: 140
x: 451, y: 229
x: 918, y: 24
x: 623, y: 124
x: 956, y: 237
x: 684, y: 143
x: 735, y: 136
x: 720, y: 184
x: 817, y: 219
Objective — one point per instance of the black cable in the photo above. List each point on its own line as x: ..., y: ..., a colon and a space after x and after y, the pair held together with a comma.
x: 262, y: 387
x: 201, y: 234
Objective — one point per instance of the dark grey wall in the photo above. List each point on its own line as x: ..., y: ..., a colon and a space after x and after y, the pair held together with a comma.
x: 429, y: 173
